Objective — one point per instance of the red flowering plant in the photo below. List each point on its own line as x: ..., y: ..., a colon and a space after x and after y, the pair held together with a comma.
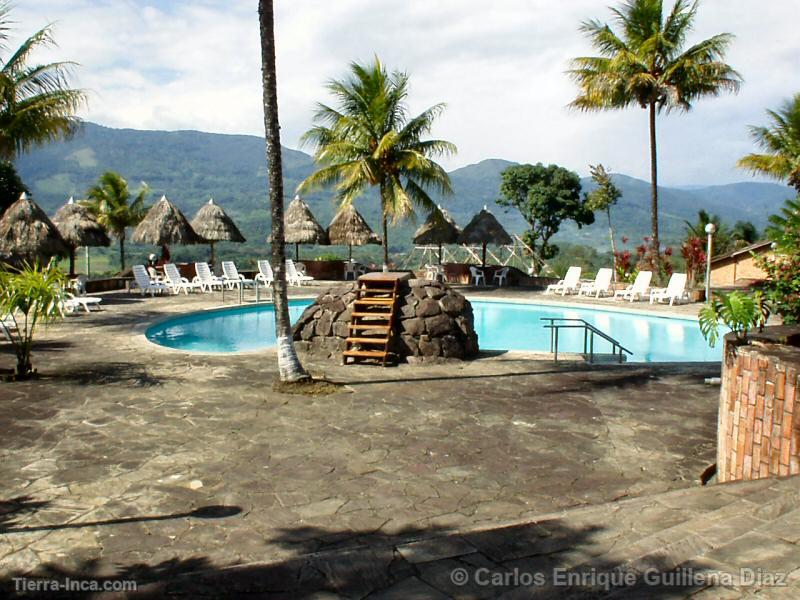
x: 694, y: 253
x: 782, y: 288
x: 645, y: 260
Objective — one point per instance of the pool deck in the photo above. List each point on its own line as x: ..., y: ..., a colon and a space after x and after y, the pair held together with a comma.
x: 115, y: 460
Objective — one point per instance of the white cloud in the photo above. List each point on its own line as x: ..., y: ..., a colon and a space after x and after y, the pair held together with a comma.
x: 499, y: 66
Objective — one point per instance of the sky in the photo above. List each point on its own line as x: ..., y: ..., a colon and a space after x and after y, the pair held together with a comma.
x: 499, y: 66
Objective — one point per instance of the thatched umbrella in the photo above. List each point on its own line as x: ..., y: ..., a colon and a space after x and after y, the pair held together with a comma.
x: 300, y: 226
x: 79, y: 227
x: 214, y: 224
x: 440, y: 228
x: 27, y: 234
x: 484, y: 229
x: 349, y: 228
x: 164, y: 225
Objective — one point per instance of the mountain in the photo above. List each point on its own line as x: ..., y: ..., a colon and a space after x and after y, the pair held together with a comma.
x: 191, y: 166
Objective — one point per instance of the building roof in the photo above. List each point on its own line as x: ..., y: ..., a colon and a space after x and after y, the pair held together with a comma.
x: 757, y: 247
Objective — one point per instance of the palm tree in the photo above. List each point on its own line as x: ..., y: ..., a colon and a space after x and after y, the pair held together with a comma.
x: 368, y: 140
x: 289, y: 366
x: 108, y: 201
x: 602, y: 198
x: 744, y: 233
x: 781, y: 142
x: 646, y: 64
x: 722, y: 236
x: 36, y: 103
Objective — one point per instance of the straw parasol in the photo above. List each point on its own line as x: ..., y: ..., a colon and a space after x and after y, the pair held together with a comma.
x: 79, y: 227
x: 213, y: 223
x: 300, y: 226
x: 349, y: 228
x: 440, y: 228
x: 27, y: 234
x: 164, y: 225
x: 484, y: 229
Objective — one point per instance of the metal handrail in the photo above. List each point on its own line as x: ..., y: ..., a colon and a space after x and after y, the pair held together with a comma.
x: 589, y: 331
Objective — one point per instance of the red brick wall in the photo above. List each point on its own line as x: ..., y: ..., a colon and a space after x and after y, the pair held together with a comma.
x: 759, y: 416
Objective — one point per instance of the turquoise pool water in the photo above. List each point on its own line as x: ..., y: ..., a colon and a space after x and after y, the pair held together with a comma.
x: 500, y: 326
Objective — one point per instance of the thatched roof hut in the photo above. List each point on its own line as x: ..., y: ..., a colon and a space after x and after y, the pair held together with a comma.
x: 79, y: 227
x: 213, y: 223
x: 27, y: 234
x: 164, y: 225
x: 301, y: 227
x: 348, y: 228
x: 439, y: 228
x: 484, y: 229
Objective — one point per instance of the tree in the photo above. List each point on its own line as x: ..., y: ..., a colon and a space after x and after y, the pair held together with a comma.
x: 11, y: 186
x: 781, y: 142
x: 744, y: 233
x: 289, y: 367
x: 545, y: 196
x: 36, y: 103
x: 602, y: 198
x: 647, y: 65
x: 368, y: 140
x: 723, y: 241
x: 108, y: 201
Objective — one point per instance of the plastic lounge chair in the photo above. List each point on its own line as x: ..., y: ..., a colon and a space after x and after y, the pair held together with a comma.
x: 675, y: 290
x: 501, y: 277
x: 231, y: 277
x: 145, y: 283
x: 639, y: 288
x: 477, y: 275
x: 600, y: 286
x: 7, y: 323
x: 73, y: 303
x: 568, y: 284
x: 293, y: 276
x: 207, y: 280
x: 173, y: 279
x: 265, y: 275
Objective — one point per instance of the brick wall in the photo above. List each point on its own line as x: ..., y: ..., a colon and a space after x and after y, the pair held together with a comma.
x: 759, y: 416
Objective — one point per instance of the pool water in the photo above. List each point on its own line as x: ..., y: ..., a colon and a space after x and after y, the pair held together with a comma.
x: 499, y: 325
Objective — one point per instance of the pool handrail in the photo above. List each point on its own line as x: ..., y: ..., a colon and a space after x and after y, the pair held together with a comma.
x: 588, y: 340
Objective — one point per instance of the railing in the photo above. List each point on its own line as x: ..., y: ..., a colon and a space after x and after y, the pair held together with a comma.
x: 240, y: 290
x: 589, y: 331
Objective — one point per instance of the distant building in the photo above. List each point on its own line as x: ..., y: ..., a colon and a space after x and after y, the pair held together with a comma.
x: 739, y: 268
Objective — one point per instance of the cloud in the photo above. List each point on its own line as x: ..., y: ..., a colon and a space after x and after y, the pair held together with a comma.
x: 498, y: 66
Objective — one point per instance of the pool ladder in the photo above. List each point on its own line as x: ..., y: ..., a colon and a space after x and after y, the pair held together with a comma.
x: 589, y: 331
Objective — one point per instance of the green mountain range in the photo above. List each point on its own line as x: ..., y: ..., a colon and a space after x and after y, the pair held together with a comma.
x: 191, y: 166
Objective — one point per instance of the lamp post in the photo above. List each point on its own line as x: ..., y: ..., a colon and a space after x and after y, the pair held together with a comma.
x: 710, y: 230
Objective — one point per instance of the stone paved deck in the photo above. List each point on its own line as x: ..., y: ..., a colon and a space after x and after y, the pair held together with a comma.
x: 114, y: 460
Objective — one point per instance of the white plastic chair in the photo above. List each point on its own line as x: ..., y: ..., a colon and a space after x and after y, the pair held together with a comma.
x: 265, y: 275
x: 675, y: 290
x: 501, y: 277
x: 231, y: 277
x: 568, y: 284
x: 7, y: 323
x: 478, y: 276
x: 206, y: 278
x: 145, y: 283
x: 173, y: 278
x: 600, y: 286
x: 293, y: 276
x: 639, y: 288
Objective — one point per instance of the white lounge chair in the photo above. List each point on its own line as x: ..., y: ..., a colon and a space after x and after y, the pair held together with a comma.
x: 265, y: 274
x: 231, y: 277
x: 674, y: 292
x: 174, y: 279
x: 73, y: 303
x: 600, y: 286
x: 7, y: 323
x: 501, y: 277
x: 568, y: 284
x: 477, y: 275
x: 293, y: 276
x: 638, y: 290
x: 144, y: 283
x: 207, y: 280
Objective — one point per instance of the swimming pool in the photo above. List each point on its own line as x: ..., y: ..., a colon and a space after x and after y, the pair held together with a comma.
x: 499, y: 325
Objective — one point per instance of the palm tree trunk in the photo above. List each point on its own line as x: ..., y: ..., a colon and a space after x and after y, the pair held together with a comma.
x: 654, y: 183
x: 122, y: 252
x: 289, y: 365
x: 72, y: 262
x: 613, y: 243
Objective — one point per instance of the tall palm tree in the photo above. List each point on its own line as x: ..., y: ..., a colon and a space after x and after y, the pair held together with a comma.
x: 108, y: 201
x: 646, y: 64
x: 781, y: 142
x: 36, y: 103
x: 289, y: 366
x: 368, y: 140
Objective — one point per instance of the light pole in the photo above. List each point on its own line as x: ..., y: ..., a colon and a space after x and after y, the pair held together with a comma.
x: 710, y: 230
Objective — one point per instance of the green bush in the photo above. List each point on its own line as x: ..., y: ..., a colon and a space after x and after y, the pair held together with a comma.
x: 740, y: 312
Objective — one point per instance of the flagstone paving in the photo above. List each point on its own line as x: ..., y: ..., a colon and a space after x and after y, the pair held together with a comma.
x: 127, y: 458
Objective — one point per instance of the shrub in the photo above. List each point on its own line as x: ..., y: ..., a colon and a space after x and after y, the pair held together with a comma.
x: 740, y: 312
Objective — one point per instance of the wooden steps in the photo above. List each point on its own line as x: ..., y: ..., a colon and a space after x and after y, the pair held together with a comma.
x: 372, y: 320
